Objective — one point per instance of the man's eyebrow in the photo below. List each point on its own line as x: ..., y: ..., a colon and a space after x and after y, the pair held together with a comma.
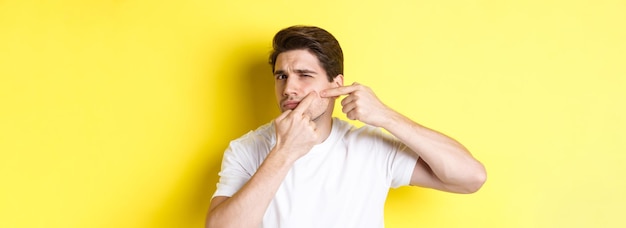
x: 305, y: 71
x: 299, y: 71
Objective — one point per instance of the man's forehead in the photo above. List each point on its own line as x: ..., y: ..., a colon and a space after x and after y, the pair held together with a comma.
x: 297, y: 61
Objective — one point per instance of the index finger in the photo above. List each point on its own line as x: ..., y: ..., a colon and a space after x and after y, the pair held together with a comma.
x: 305, y: 102
x: 342, y: 90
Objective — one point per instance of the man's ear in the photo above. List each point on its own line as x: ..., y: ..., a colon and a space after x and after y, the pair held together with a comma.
x: 338, y: 80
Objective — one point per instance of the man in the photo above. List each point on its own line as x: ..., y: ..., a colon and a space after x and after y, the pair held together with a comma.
x: 308, y: 169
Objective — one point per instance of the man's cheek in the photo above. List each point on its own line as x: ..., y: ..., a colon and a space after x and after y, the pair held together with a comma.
x: 322, y: 104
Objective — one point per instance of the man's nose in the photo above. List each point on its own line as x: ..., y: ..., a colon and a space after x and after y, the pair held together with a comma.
x: 291, y: 86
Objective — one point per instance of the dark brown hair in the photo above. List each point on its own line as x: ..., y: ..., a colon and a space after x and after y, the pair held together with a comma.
x: 316, y: 40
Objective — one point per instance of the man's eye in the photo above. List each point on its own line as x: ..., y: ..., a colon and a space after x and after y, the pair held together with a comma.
x: 281, y: 76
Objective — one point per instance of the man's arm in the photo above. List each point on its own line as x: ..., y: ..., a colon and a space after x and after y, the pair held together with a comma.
x: 296, y: 134
x: 247, y: 207
x: 443, y: 163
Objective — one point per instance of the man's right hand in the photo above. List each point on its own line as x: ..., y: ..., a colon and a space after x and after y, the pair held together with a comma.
x: 296, y: 133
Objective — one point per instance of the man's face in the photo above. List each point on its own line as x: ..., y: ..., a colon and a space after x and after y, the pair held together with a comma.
x: 296, y: 74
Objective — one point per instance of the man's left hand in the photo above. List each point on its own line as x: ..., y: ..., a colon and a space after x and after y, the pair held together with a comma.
x: 361, y: 104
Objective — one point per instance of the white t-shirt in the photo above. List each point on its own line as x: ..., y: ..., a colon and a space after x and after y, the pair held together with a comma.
x: 341, y: 182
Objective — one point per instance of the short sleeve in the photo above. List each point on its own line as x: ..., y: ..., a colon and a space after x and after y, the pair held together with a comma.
x: 242, y: 158
x: 233, y: 174
x: 401, y: 162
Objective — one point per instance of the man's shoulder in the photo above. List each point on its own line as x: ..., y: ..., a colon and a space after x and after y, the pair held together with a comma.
x: 349, y: 131
x: 264, y: 133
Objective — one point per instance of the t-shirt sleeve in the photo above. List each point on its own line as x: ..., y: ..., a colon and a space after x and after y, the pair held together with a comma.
x: 233, y: 174
x: 401, y: 162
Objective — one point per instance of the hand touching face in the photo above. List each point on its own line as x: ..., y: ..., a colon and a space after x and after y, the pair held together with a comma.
x: 360, y: 104
x: 296, y: 132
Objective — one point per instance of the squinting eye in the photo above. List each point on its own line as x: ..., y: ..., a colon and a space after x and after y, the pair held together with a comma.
x: 281, y: 77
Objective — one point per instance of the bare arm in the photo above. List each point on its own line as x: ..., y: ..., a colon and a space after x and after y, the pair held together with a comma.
x: 444, y: 163
x: 295, y: 136
x: 247, y: 207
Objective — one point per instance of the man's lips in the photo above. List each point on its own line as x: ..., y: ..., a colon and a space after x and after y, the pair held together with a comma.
x: 290, y: 104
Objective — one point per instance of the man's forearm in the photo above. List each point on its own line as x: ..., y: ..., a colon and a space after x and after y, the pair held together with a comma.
x: 448, y: 159
x: 247, y: 207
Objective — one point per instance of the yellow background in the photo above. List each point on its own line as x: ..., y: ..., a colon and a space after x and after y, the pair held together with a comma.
x: 116, y: 113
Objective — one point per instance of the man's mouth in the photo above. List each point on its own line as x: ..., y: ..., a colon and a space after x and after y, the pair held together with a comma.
x: 290, y: 105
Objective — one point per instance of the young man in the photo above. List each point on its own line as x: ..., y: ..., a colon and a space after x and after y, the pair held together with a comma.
x: 308, y: 169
